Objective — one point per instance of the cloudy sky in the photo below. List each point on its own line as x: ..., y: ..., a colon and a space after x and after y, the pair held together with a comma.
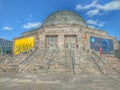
x: 17, y: 16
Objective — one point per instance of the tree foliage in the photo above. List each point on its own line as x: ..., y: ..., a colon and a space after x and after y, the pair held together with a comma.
x: 117, y: 53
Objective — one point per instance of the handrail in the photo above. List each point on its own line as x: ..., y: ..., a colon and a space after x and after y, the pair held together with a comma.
x: 50, y: 60
x: 44, y: 53
x: 73, y: 60
x: 98, y: 62
x: 99, y: 58
x: 27, y: 58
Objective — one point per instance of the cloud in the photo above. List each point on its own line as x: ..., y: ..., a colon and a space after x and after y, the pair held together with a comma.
x: 93, y: 12
x: 31, y: 25
x: 80, y: 7
x: 114, y: 5
x: 7, y: 28
x: 101, y: 24
x: 95, y: 23
x: 92, y: 26
x: 91, y: 22
x: 94, y: 8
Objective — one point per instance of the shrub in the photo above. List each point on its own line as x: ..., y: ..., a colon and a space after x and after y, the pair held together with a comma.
x: 117, y: 53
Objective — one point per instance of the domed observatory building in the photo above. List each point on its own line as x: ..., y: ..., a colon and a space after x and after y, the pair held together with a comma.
x: 65, y: 29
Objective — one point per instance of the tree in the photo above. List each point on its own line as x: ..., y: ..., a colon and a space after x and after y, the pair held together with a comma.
x: 119, y: 44
x: 117, y: 53
x: 0, y: 50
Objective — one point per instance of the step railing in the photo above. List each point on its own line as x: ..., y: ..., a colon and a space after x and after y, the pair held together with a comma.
x: 100, y: 63
x: 3, y: 60
x: 73, y: 60
x: 27, y: 58
x: 32, y: 57
x: 50, y: 60
x: 26, y: 61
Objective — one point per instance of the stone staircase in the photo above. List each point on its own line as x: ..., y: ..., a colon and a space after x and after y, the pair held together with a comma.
x: 100, y: 63
x: 77, y: 61
x: 84, y: 63
x: 49, y: 61
x: 108, y: 66
x: 36, y: 62
x: 113, y: 65
x: 60, y: 61
x: 12, y: 62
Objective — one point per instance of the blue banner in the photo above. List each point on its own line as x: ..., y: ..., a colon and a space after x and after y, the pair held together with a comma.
x: 106, y: 44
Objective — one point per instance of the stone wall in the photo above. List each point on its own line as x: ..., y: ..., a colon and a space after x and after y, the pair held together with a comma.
x: 62, y: 30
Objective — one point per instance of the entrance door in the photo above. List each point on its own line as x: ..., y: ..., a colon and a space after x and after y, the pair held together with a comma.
x: 51, y: 42
x: 70, y: 41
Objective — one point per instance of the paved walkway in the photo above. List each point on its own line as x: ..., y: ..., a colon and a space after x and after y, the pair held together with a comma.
x: 58, y: 82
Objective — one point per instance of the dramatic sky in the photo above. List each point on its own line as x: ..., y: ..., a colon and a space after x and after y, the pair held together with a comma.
x: 17, y: 16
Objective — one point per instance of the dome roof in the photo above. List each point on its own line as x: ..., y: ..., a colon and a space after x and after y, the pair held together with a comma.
x: 64, y: 17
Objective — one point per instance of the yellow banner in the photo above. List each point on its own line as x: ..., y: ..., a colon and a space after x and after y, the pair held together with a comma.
x: 23, y: 44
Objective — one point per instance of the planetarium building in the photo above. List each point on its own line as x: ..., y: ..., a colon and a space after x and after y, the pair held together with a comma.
x: 65, y: 29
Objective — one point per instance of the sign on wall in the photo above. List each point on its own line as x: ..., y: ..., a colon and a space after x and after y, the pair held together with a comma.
x: 23, y: 44
x: 106, y: 44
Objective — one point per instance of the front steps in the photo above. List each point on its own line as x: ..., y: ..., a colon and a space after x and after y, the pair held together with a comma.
x: 75, y: 61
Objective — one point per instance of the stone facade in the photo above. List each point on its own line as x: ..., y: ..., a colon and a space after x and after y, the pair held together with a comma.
x: 61, y: 29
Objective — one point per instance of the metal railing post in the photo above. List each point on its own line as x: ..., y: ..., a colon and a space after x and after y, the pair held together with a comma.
x: 100, y: 61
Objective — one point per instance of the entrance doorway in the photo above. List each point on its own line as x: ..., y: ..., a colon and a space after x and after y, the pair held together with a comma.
x: 70, y: 41
x: 51, y: 41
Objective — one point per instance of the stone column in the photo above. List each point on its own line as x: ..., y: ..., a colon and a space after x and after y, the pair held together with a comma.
x: 61, y: 41
x: 42, y: 41
x: 79, y: 40
x: 88, y: 42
